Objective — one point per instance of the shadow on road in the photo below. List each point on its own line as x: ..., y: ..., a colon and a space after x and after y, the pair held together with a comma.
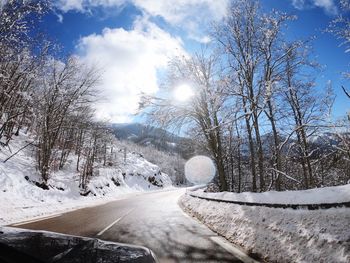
x: 172, y: 236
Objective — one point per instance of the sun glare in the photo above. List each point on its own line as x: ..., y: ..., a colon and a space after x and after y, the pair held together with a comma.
x: 183, y: 93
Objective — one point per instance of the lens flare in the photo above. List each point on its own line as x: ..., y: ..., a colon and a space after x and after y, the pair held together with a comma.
x: 200, y: 170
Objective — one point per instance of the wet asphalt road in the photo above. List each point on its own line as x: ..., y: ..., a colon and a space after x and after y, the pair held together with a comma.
x: 153, y: 220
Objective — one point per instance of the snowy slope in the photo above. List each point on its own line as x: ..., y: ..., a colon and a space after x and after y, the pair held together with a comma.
x: 21, y: 199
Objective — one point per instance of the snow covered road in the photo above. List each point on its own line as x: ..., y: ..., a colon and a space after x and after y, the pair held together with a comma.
x: 153, y: 220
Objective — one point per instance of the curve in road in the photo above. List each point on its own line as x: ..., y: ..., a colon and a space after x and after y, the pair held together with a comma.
x: 153, y: 220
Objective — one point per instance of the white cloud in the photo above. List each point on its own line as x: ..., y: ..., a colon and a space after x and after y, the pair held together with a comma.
x: 66, y: 5
x: 59, y: 18
x: 180, y: 11
x: 191, y: 15
x: 131, y: 60
x: 298, y: 4
x: 86, y: 5
x: 328, y: 6
x: 173, y: 11
x: 205, y: 39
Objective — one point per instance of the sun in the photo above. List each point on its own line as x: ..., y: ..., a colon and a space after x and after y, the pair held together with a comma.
x: 183, y: 93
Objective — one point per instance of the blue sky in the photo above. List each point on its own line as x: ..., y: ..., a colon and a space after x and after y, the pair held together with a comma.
x: 132, y: 40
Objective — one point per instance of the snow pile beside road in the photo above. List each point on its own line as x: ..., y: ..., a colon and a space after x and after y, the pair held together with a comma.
x: 278, y: 235
x: 135, y: 174
x: 141, y: 176
x: 22, y: 198
x: 140, y: 173
x: 335, y: 194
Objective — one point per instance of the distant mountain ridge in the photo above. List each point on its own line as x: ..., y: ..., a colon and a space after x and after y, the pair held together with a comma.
x: 149, y: 135
x: 166, y: 141
x: 322, y: 143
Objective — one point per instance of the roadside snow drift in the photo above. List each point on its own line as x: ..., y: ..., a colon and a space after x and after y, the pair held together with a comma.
x: 334, y: 194
x: 22, y: 198
x: 276, y: 234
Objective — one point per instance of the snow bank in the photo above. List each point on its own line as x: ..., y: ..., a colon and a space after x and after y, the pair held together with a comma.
x: 140, y: 173
x: 335, y: 194
x: 21, y: 199
x: 278, y: 235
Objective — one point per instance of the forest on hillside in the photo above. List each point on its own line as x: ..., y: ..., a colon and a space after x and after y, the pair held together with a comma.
x: 50, y: 97
x: 256, y: 110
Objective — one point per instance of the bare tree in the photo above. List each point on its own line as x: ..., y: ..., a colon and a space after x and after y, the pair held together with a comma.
x: 247, y: 37
x: 18, y: 65
x: 65, y: 87
x: 17, y: 19
x: 309, y: 109
x: 258, y: 60
x: 205, y: 110
x: 340, y: 27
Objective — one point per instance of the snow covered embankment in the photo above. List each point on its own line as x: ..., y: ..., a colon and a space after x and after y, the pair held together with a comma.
x: 276, y: 234
x: 21, y: 199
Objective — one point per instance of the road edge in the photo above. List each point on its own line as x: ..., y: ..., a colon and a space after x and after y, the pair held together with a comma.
x: 235, y: 249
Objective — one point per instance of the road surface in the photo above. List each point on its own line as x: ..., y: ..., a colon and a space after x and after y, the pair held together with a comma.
x: 153, y: 220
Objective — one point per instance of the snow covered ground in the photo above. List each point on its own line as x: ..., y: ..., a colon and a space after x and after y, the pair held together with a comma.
x: 22, y: 200
x: 335, y: 194
x: 276, y: 234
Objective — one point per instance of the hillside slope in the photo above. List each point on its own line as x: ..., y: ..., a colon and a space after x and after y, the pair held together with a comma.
x: 23, y: 196
x: 146, y: 135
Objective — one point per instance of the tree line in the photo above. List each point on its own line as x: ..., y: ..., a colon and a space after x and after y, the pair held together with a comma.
x: 257, y: 108
x: 48, y: 96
